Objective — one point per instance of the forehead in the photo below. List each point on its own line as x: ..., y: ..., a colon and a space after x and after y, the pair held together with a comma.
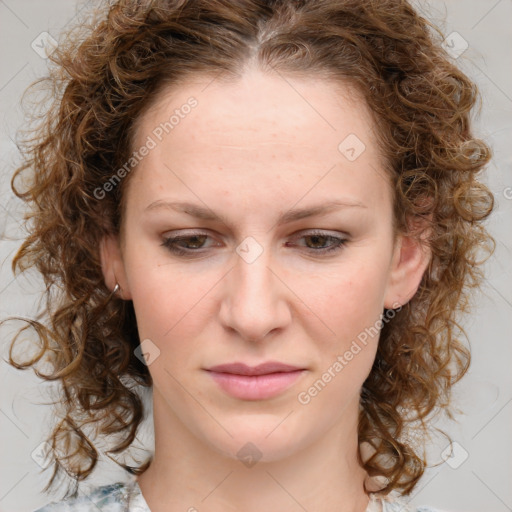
x: 260, y: 129
x: 271, y: 106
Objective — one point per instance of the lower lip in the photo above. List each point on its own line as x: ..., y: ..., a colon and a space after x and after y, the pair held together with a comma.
x: 255, y: 387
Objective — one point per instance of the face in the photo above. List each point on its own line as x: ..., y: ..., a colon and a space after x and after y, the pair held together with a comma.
x: 241, y: 276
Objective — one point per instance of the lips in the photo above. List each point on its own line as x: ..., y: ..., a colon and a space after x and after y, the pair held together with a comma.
x: 261, y: 369
x: 255, y: 382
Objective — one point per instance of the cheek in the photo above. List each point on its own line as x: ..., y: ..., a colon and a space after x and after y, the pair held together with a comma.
x: 347, y: 299
x: 158, y: 292
x: 350, y: 303
x: 166, y: 302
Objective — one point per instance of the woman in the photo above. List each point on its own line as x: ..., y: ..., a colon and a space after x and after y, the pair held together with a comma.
x: 269, y: 213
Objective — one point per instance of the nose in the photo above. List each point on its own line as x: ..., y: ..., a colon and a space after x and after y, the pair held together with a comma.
x: 255, y: 298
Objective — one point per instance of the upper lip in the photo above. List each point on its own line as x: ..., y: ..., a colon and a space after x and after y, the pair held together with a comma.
x: 261, y: 369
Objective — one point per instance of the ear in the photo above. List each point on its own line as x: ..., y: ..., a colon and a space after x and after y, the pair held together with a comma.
x: 112, y: 265
x: 411, y: 258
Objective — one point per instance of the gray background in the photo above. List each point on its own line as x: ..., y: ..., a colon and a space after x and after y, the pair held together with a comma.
x: 478, y: 475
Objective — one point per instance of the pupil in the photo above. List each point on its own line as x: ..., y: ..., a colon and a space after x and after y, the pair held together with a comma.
x: 196, y: 237
x: 315, y: 238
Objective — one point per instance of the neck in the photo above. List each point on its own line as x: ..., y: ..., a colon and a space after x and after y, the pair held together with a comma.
x: 188, y: 475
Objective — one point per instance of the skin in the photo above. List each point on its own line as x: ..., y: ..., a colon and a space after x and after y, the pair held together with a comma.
x: 250, y: 151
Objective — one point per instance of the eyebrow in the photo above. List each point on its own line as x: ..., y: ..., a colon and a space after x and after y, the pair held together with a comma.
x: 200, y: 212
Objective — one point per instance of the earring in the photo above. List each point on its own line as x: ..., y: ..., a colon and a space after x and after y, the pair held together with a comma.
x: 116, y: 289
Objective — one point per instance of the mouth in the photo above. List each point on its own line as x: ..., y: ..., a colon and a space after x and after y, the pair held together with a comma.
x: 255, y: 382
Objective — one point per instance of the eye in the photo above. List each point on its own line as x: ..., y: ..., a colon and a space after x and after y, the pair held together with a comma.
x: 194, y: 241
x: 320, y: 238
x: 192, y: 244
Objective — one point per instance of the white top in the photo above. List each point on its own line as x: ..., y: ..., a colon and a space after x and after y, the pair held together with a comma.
x: 127, y: 497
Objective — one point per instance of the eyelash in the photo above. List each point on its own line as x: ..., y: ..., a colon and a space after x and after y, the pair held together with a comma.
x: 169, y: 242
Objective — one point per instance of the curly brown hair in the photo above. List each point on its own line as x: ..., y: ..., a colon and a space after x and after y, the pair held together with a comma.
x: 106, y: 73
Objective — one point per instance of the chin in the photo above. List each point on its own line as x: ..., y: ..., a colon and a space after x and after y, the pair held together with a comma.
x: 258, y: 438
